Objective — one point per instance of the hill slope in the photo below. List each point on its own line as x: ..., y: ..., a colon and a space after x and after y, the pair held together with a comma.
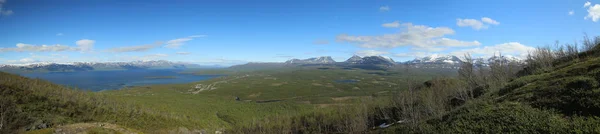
x: 562, y: 99
x: 31, y: 104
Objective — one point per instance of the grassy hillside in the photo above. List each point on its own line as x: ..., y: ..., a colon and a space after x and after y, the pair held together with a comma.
x: 311, y: 94
x: 560, y: 97
x: 281, y: 93
x: 32, y: 104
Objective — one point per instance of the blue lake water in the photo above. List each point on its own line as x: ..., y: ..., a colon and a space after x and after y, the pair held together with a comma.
x: 346, y: 81
x: 110, y: 80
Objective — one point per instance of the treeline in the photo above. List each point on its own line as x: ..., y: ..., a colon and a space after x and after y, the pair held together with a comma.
x: 469, y: 103
x: 544, y: 59
x: 493, y: 101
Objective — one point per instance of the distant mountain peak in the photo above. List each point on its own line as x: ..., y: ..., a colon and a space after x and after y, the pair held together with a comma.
x: 354, y: 59
x: 454, y: 60
x: 436, y: 58
x: 375, y: 60
x: 504, y: 58
x: 316, y: 60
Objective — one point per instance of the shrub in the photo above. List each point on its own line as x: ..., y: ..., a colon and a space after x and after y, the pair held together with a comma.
x: 485, y: 117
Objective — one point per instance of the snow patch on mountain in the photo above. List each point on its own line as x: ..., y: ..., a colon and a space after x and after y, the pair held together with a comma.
x: 317, y: 60
x: 451, y: 59
x: 370, y: 60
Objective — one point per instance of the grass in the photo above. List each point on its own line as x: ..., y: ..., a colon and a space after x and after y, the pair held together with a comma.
x: 305, y: 95
x: 558, y: 98
x: 562, y: 97
x: 204, y: 111
x: 31, y: 104
x: 286, y: 93
x: 572, y: 89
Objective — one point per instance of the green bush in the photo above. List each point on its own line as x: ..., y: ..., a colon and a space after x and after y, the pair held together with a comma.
x: 486, y: 117
x: 30, y: 104
x: 585, y: 125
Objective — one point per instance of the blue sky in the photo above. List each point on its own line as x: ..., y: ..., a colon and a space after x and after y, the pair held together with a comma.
x: 232, y: 32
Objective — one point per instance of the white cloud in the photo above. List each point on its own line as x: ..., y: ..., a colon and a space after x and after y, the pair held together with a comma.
x: 412, y: 54
x: 416, y: 36
x: 148, y: 57
x: 321, y: 42
x: 176, y: 43
x: 511, y: 48
x: 4, y: 12
x: 183, y: 53
x: 139, y: 48
x: 587, y: 4
x: 22, y: 61
x: 384, y: 8
x: 82, y: 45
x: 35, y: 58
x: 571, y: 12
x: 159, y: 55
x: 593, y: 13
x: 85, y: 44
x: 59, y: 34
x: 370, y: 53
x: 27, y: 60
x: 476, y: 24
x: 490, y: 21
x: 22, y: 47
x: 394, y: 24
x: 453, y: 43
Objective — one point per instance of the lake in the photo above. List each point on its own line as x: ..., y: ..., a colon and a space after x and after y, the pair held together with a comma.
x: 349, y: 81
x: 110, y: 80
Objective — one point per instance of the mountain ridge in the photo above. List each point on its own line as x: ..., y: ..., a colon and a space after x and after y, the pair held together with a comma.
x: 91, y: 66
x: 432, y: 61
x: 316, y: 60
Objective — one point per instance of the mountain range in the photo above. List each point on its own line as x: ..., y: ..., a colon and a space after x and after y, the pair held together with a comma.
x: 91, y: 66
x: 433, y: 61
x: 352, y: 60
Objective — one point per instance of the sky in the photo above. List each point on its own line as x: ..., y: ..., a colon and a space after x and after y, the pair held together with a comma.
x: 229, y: 32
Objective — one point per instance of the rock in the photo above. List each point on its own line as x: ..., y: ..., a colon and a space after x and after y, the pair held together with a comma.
x: 183, y: 130
x: 42, y: 126
x: 199, y: 131
x: 58, y: 131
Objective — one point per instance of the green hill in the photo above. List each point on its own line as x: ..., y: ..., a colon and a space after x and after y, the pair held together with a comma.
x: 35, y: 104
x: 556, y: 92
x: 563, y: 97
x: 31, y: 104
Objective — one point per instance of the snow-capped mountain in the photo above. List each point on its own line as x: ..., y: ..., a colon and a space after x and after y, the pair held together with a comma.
x: 436, y: 59
x: 88, y: 66
x: 451, y: 61
x: 504, y: 58
x: 374, y: 60
x: 354, y: 59
x: 317, y: 60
